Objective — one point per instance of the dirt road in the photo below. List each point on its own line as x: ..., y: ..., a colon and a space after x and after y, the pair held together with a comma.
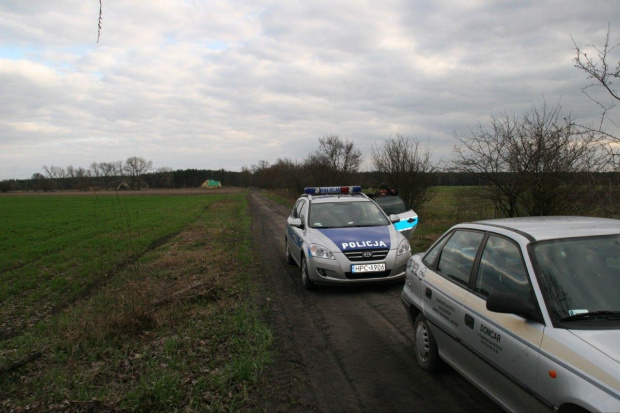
x: 344, y: 349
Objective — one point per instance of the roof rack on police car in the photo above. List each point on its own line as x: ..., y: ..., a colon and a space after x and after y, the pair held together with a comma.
x: 333, y: 190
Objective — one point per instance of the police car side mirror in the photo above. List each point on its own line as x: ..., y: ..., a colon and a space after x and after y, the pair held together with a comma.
x: 295, y: 222
x: 510, y: 303
x: 394, y: 218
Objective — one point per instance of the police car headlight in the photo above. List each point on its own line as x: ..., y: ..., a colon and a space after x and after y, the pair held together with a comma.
x: 404, y: 247
x: 320, y: 251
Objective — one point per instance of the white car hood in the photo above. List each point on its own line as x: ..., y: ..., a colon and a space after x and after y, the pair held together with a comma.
x: 606, y: 341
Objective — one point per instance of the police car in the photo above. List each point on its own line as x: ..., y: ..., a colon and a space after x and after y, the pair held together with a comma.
x: 528, y: 309
x: 339, y: 236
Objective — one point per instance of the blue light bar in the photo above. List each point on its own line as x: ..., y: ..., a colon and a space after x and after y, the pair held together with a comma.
x: 325, y: 190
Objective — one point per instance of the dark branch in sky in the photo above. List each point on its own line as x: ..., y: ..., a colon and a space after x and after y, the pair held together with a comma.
x: 99, y: 25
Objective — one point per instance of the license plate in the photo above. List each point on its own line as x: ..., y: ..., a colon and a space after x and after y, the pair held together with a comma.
x: 367, y: 268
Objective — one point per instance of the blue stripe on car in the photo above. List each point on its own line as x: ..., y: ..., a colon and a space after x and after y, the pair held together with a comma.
x: 404, y: 224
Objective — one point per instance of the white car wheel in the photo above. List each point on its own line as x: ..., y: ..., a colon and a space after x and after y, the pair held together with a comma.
x: 425, y: 345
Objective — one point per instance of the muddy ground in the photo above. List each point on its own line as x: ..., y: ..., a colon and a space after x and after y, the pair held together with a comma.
x: 344, y: 349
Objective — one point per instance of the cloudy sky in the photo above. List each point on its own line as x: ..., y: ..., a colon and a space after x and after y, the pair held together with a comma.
x: 226, y: 83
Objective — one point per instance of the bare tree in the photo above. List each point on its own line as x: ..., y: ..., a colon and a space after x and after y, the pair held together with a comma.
x: 54, y: 173
x: 604, y: 70
x: 532, y: 165
x: 135, y: 167
x: 335, y: 161
x: 82, y: 179
x: 406, y: 166
x: 106, y: 170
x: 260, y: 173
x: 95, y: 172
x: 119, y: 169
x: 40, y: 181
x: 165, y: 177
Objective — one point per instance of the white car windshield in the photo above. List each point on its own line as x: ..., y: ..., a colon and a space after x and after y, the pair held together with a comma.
x: 581, y: 277
x: 346, y: 214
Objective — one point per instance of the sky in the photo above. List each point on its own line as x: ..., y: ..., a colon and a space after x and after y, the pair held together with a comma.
x: 226, y: 83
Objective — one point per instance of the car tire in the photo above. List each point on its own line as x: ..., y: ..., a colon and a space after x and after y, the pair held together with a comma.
x: 289, y: 257
x: 425, y: 345
x: 305, y: 278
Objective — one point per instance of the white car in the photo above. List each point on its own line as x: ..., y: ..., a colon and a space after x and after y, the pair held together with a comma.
x: 339, y: 236
x: 527, y: 309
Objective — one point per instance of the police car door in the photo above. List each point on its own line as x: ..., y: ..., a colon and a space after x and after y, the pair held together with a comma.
x: 295, y: 235
x: 506, y: 344
x: 394, y: 205
x: 444, y: 292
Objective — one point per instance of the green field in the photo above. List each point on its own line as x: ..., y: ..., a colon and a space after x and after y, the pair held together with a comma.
x: 114, y: 302
x: 448, y: 207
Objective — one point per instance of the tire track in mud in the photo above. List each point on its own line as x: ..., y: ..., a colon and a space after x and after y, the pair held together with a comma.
x: 347, y: 348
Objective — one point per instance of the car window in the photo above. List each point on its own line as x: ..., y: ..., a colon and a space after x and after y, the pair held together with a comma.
x: 502, y: 269
x: 346, y: 214
x: 392, y: 204
x: 458, y: 255
x: 579, y: 275
x: 298, y: 208
x: 429, y: 258
x: 303, y: 213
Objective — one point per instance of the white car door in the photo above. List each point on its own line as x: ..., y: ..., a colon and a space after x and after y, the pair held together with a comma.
x: 294, y: 238
x: 445, y: 289
x: 507, y: 344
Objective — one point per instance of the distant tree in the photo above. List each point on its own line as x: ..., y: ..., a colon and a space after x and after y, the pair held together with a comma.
x: 136, y: 167
x: 119, y: 169
x: 70, y: 171
x: 406, y: 166
x: 106, y: 170
x: 163, y: 177
x: 5, y: 185
x: 95, y: 172
x: 335, y: 161
x: 536, y: 164
x: 40, y: 182
x: 245, y: 178
x: 286, y: 174
x: 54, y: 173
x: 261, y: 174
x: 82, y: 179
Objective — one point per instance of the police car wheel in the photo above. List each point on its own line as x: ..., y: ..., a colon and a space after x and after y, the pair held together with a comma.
x: 305, y: 279
x: 425, y: 345
x: 289, y: 257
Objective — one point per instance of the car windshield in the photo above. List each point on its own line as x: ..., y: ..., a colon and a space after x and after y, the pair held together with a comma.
x: 391, y: 204
x: 346, y: 214
x: 580, y: 276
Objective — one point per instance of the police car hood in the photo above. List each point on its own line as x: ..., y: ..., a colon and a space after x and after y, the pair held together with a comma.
x: 360, y: 238
x: 605, y: 341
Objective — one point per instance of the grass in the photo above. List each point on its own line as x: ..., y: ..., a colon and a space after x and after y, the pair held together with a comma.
x: 138, y: 303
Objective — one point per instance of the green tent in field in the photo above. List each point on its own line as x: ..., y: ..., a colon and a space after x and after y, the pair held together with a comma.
x: 210, y: 183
